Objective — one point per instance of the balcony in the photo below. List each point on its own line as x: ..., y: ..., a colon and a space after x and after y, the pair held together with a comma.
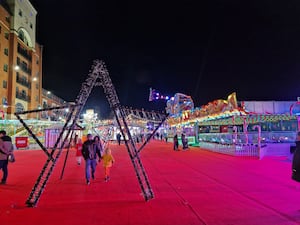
x: 24, y: 67
x: 23, y: 96
x: 23, y: 82
x: 25, y: 53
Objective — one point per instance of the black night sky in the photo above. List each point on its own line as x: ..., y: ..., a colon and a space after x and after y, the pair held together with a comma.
x: 206, y: 49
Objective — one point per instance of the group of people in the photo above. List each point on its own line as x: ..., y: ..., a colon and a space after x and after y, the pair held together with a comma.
x: 184, y: 141
x: 92, y: 152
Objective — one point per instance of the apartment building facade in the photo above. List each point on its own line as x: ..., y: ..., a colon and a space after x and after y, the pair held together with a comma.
x: 20, y: 58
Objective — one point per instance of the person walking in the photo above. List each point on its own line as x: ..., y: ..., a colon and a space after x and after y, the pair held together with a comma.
x: 97, y: 142
x: 79, y: 151
x: 119, y: 138
x: 184, y: 141
x: 166, y: 137
x: 108, y: 161
x: 6, y: 148
x: 89, y: 152
x: 175, y: 146
x: 296, y: 160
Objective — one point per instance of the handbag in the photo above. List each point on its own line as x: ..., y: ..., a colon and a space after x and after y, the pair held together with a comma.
x: 11, y: 158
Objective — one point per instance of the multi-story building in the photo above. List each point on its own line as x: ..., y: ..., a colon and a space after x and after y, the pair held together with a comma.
x: 20, y: 58
x: 51, y: 100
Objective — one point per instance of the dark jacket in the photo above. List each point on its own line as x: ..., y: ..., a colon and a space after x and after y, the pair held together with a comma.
x: 90, y: 150
x: 6, y: 147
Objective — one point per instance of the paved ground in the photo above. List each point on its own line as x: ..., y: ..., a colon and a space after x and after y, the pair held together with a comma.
x: 190, y: 187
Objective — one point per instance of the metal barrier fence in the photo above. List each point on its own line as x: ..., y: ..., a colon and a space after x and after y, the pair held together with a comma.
x: 251, y: 137
x: 249, y: 151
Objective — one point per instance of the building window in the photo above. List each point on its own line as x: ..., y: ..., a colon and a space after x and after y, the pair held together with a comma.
x: 37, y: 86
x: 37, y: 61
x: 5, y: 67
x: 19, y: 107
x: 4, y: 84
x: 18, y: 60
x: 7, y: 19
x: 24, y: 64
x: 20, y: 12
x: 36, y: 98
x: 6, y: 35
x: 0, y: 29
x: 6, y: 51
x: 4, y: 101
x: 21, y: 35
x: 31, y: 25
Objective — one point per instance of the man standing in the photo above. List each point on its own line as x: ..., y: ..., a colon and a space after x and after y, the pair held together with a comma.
x: 296, y: 160
x: 119, y: 138
x: 6, y: 148
x: 184, y: 141
x: 175, y: 144
x: 89, y: 152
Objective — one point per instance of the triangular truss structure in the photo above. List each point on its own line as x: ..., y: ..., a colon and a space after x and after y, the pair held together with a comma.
x: 150, y: 116
x: 98, y: 76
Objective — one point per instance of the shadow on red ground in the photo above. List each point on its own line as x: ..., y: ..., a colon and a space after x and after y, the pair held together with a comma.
x: 190, y: 187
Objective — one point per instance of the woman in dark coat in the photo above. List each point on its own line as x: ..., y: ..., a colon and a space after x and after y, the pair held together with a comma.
x: 296, y: 160
x: 175, y: 143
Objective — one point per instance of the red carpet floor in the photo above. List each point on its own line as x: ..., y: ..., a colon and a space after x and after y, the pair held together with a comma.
x: 190, y: 187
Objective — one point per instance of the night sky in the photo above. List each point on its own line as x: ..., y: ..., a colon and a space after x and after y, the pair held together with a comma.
x: 206, y: 49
